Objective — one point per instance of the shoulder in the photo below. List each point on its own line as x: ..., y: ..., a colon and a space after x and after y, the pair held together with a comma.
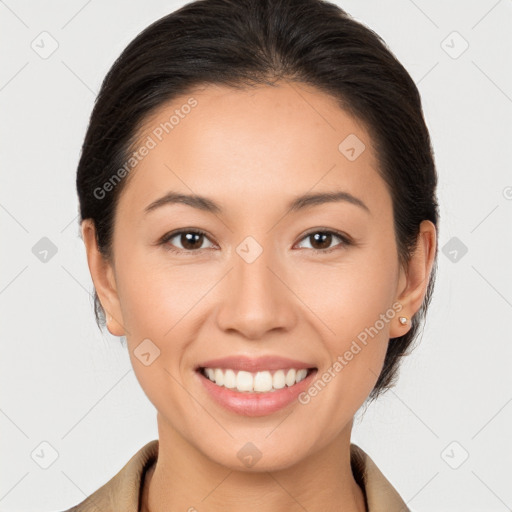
x: 380, y: 494
x: 122, y: 491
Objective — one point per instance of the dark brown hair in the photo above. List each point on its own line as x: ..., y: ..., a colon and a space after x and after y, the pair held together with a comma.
x: 241, y: 43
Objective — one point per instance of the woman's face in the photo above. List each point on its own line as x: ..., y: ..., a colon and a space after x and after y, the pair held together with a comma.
x: 254, y: 286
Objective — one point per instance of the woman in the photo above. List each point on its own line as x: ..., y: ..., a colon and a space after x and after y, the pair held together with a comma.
x: 258, y: 204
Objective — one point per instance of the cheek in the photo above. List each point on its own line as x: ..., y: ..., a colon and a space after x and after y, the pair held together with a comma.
x: 155, y: 295
x: 158, y: 302
x: 355, y: 345
x: 350, y: 295
x: 354, y: 304
x: 155, y: 302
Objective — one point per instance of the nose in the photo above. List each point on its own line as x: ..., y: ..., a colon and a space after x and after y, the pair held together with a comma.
x: 256, y: 298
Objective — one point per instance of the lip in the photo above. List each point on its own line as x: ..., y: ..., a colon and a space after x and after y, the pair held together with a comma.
x: 255, y: 404
x: 255, y: 364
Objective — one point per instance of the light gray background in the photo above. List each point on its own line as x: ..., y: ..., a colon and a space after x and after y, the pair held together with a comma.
x: 66, y: 384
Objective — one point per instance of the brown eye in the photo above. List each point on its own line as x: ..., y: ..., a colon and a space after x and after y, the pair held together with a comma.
x: 190, y: 241
x: 321, y: 241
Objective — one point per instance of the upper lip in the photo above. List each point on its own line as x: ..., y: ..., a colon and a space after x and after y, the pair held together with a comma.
x: 255, y: 364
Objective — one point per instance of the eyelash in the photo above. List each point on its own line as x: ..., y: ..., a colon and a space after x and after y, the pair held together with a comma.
x: 346, y: 241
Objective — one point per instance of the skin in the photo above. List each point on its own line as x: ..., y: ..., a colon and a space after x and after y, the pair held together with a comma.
x: 263, y: 146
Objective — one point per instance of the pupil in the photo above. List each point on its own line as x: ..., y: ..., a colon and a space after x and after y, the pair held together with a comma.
x: 188, y: 236
x: 323, y: 238
x: 326, y: 236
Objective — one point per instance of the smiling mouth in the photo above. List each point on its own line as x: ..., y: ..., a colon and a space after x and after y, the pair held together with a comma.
x: 256, y: 382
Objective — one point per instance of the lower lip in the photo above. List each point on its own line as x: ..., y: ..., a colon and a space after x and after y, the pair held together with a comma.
x: 255, y: 404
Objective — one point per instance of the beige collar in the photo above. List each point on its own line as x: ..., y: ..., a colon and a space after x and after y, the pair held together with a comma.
x: 123, y: 492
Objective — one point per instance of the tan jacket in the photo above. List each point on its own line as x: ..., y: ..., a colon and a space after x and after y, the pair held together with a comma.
x: 123, y: 492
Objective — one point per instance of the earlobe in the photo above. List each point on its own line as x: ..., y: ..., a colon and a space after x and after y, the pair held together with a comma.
x: 103, y: 278
x: 114, y: 327
x: 417, y: 276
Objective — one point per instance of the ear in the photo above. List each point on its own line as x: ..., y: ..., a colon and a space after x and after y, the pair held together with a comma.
x: 103, y: 277
x: 413, y: 281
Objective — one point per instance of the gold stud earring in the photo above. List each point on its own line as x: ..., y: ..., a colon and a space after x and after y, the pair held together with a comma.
x: 402, y: 320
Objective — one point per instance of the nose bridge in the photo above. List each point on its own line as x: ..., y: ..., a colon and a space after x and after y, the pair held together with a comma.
x: 252, y: 265
x: 255, y: 300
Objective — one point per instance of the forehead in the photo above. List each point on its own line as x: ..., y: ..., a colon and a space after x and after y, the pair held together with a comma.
x: 246, y: 147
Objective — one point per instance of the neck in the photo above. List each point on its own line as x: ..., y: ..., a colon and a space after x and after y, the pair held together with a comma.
x: 183, y: 479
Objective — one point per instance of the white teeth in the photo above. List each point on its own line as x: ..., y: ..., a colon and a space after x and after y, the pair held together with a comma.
x: 230, y: 379
x: 278, y: 380
x: 219, y: 377
x: 301, y: 374
x: 262, y: 382
x: 290, y: 377
x: 244, y: 381
x: 259, y: 382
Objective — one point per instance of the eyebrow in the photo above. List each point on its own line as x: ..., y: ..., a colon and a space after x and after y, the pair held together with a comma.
x: 299, y: 203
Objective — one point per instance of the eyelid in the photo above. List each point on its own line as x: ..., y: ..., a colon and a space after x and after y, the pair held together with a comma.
x: 345, y: 239
x: 164, y: 240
